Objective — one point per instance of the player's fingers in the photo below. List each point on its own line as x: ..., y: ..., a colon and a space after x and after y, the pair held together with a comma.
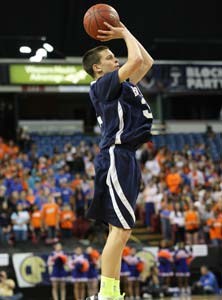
x: 104, y: 31
x: 108, y: 25
x: 103, y: 38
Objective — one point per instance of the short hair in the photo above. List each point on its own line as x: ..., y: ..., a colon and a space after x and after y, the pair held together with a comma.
x: 92, y: 57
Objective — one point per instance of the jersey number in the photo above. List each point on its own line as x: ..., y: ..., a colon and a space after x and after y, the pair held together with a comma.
x: 147, y: 112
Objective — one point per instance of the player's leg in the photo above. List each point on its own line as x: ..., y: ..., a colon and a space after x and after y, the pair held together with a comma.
x: 111, y: 259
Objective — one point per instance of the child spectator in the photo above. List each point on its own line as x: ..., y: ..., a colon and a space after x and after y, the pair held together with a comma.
x: 67, y: 219
x: 36, y: 224
x: 20, y: 219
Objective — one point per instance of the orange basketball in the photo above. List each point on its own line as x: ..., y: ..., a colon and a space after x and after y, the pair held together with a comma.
x: 95, y: 17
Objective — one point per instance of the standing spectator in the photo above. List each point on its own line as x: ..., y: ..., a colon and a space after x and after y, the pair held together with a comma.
x: 50, y: 219
x: 67, y: 219
x: 79, y: 266
x: 3, y: 149
x: 36, y: 223
x: 5, y: 224
x: 7, y: 287
x: 215, y: 229
x: 173, y: 181
x: 192, y: 223
x: 20, y: 219
x: 58, y: 275
x: 196, y: 176
x: 165, y: 220
x: 206, y: 215
x: 149, y: 194
x: 3, y: 196
x: 66, y: 191
x: 177, y: 221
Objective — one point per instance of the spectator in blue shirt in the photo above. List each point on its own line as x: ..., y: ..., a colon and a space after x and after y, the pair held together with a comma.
x: 207, y: 284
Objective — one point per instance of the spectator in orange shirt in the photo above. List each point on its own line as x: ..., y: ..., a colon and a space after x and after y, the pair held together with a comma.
x: 13, y: 150
x: 218, y: 207
x: 77, y: 182
x: 36, y: 223
x: 173, y: 181
x: 192, y: 223
x: 67, y: 218
x: 215, y: 226
x: 50, y: 219
x: 3, y: 148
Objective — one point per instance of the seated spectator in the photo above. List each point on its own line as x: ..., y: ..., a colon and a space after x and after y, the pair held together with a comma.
x: 207, y: 284
x: 153, y: 286
x: 20, y: 219
x: 7, y: 287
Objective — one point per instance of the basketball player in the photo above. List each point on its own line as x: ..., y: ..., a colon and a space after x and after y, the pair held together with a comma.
x: 125, y: 119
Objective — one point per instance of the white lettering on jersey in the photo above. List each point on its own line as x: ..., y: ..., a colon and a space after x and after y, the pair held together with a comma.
x: 135, y: 90
x: 147, y: 112
x: 100, y: 121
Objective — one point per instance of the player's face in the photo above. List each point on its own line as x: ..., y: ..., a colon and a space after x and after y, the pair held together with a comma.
x: 108, y: 62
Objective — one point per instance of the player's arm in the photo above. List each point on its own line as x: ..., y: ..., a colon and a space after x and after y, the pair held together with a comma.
x: 145, y: 66
x: 134, y: 58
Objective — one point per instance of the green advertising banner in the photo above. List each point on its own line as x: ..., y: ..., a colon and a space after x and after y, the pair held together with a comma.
x: 48, y: 74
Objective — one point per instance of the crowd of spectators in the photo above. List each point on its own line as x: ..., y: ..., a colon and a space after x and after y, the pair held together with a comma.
x: 44, y: 197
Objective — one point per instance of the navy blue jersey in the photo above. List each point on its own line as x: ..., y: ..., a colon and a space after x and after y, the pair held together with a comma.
x: 122, y: 112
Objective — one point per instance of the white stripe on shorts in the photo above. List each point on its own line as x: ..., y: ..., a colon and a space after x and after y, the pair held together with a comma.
x: 117, y: 185
x: 112, y: 178
x: 115, y: 206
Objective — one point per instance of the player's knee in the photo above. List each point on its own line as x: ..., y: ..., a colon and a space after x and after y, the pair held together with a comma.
x: 124, y: 235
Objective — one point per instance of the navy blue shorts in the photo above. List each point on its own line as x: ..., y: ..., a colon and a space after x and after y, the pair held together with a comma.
x: 117, y: 183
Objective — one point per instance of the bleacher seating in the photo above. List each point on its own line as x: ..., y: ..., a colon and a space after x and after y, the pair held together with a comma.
x: 175, y: 142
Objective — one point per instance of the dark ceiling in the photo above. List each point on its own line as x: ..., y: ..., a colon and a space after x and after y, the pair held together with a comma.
x: 168, y: 29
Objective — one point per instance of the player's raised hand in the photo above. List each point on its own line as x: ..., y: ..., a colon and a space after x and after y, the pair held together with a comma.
x: 112, y: 32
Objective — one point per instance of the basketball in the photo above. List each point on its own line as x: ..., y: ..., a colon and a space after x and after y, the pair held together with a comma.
x: 96, y: 15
